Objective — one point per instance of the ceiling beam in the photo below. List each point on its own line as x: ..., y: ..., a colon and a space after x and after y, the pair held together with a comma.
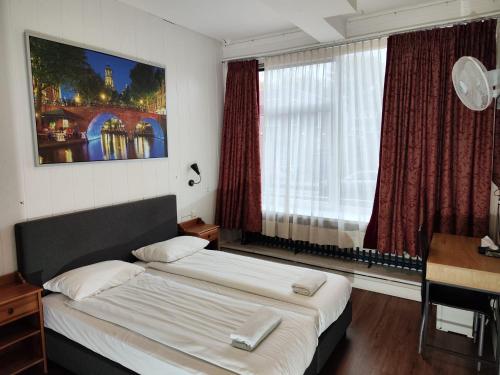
x: 320, y: 19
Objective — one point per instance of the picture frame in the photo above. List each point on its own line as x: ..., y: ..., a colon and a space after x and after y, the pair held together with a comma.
x: 90, y: 105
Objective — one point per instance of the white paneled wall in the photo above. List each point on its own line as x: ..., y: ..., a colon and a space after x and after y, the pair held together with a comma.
x: 194, y: 115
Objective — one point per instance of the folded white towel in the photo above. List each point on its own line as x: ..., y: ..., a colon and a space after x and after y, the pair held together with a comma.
x: 308, y: 284
x: 255, y: 329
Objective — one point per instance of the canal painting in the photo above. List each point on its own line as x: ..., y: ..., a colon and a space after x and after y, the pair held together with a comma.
x: 93, y: 106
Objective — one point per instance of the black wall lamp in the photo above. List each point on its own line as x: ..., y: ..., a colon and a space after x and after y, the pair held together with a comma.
x: 195, y: 168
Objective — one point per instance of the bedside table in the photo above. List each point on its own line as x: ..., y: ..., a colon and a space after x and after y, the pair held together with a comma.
x: 22, y: 338
x: 198, y: 228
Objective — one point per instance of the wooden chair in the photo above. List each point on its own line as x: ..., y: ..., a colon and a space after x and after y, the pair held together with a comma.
x: 460, y: 298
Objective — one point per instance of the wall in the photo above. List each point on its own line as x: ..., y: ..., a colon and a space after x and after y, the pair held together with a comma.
x: 194, y: 113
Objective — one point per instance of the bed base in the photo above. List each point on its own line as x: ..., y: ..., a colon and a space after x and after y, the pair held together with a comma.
x: 82, y: 361
x: 77, y: 358
x: 332, y: 336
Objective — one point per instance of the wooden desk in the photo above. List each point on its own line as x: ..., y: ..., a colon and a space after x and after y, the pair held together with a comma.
x: 454, y: 260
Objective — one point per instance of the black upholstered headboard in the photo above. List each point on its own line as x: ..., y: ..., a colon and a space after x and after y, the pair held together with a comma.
x: 48, y: 247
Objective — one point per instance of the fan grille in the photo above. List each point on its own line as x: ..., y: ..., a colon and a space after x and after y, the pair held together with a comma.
x: 471, y: 83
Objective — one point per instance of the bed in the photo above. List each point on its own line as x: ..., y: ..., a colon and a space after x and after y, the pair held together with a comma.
x: 51, y: 246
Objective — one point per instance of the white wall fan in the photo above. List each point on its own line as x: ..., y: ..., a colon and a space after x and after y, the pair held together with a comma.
x: 475, y: 86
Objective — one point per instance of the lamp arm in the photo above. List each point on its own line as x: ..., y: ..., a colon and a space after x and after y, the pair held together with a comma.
x: 192, y: 182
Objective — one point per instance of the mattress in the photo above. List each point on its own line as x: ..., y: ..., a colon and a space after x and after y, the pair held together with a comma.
x: 200, y: 323
x: 133, y: 350
x: 121, y: 345
x: 264, y: 278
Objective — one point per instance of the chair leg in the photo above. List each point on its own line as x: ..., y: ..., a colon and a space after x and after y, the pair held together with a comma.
x: 495, y: 327
x: 423, y: 325
x: 421, y: 339
x: 482, y: 320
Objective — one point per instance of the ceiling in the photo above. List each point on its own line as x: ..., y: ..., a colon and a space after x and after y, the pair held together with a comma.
x: 373, y: 6
x: 230, y: 20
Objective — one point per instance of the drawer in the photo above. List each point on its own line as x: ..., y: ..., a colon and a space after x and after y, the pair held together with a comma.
x: 19, y: 307
x: 210, y: 236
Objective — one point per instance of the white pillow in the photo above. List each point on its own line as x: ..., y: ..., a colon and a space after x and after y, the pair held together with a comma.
x: 171, y: 250
x: 89, y: 280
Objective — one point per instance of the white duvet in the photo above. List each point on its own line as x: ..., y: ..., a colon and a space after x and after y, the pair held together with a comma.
x: 199, y: 323
x: 264, y: 278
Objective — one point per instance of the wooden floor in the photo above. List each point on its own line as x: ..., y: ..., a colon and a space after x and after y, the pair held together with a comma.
x: 383, y: 339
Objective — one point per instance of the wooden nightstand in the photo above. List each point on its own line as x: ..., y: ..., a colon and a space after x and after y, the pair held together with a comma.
x: 198, y: 228
x: 22, y: 338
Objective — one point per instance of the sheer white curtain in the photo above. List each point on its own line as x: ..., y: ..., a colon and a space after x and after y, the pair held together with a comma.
x: 320, y: 142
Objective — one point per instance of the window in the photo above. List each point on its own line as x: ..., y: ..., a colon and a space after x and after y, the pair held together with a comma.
x: 320, y: 120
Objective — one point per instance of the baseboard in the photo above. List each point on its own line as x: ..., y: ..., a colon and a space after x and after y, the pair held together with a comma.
x: 384, y: 280
x: 388, y: 287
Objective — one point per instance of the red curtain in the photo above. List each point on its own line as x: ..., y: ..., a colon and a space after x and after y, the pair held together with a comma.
x: 435, y: 154
x: 239, y: 193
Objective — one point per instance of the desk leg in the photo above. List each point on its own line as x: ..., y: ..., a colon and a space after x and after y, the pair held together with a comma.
x: 475, y: 324
x: 425, y: 318
x: 497, y: 312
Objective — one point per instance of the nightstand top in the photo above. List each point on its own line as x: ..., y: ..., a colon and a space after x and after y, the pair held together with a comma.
x: 196, y: 226
x: 13, y: 286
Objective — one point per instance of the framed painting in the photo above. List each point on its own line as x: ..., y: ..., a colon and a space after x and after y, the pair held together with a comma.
x: 91, y: 105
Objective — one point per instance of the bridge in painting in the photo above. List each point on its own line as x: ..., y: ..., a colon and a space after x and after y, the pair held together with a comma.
x: 90, y: 119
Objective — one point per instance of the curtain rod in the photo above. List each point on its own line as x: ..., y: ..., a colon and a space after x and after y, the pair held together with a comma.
x: 429, y: 26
